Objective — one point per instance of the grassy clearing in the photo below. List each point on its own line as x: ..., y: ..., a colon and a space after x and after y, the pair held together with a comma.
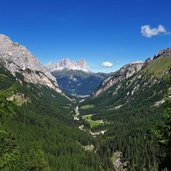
x: 95, y: 123
x: 87, y: 117
x: 92, y: 123
x: 159, y: 66
x: 87, y: 107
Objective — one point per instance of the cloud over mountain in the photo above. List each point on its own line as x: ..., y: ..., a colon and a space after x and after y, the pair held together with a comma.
x: 106, y: 64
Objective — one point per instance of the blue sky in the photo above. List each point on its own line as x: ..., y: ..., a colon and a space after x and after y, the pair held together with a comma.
x: 95, y: 30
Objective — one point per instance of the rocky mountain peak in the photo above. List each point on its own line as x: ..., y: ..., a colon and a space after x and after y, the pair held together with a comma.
x: 69, y: 65
x: 17, y: 58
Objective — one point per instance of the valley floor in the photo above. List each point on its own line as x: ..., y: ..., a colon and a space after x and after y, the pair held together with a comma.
x: 87, y: 118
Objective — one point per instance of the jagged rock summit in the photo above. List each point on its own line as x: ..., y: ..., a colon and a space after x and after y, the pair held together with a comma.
x: 69, y: 65
x: 16, y: 58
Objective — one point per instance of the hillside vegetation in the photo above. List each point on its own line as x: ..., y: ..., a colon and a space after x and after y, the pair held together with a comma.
x: 159, y: 66
x: 134, y: 108
x: 122, y: 129
x: 37, y: 131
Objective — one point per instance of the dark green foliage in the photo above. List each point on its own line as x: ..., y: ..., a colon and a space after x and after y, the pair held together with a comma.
x: 163, y: 134
x: 40, y: 134
x: 132, y: 118
x: 8, y: 150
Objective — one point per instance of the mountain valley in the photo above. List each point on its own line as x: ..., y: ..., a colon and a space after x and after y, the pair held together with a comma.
x: 74, y: 78
x: 78, y: 83
x: 43, y: 127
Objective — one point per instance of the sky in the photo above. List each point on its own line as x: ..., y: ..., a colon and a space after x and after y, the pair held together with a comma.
x: 106, y: 33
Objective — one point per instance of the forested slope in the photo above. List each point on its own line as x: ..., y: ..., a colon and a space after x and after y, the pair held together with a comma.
x: 37, y: 131
x: 133, y: 107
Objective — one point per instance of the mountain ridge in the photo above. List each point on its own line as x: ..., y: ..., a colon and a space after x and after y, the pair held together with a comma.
x: 123, y: 73
x: 64, y: 64
x: 17, y: 59
x: 128, y: 70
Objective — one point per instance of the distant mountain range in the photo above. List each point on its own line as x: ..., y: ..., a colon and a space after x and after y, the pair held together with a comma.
x: 78, y: 82
x: 69, y: 65
x: 75, y: 78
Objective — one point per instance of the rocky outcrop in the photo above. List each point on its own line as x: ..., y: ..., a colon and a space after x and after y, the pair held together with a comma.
x: 119, y: 163
x: 17, y: 59
x: 67, y: 64
x: 19, y: 99
x: 163, y: 53
x: 123, y: 73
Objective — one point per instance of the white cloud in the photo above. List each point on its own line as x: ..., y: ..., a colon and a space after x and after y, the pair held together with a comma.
x: 147, y: 31
x: 106, y: 64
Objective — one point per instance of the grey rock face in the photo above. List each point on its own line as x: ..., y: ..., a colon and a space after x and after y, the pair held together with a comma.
x: 163, y: 53
x: 123, y: 73
x: 17, y: 58
x: 67, y: 64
